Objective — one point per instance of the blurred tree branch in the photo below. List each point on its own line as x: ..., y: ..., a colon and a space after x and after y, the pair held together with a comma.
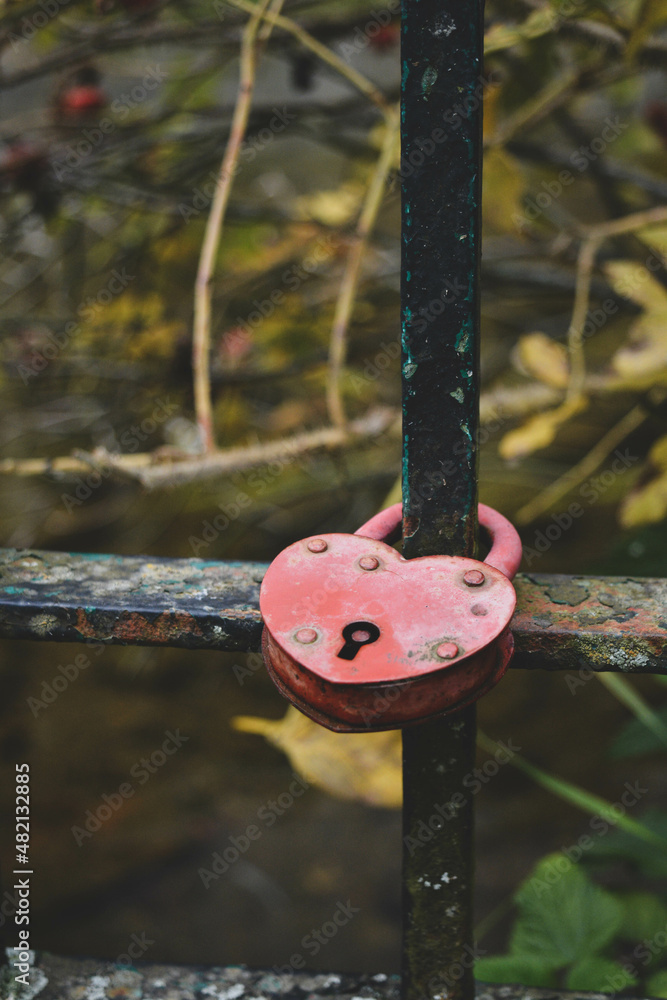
x: 388, y: 158
x: 201, y: 339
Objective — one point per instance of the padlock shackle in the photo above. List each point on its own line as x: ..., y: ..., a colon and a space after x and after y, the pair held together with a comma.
x: 505, y: 553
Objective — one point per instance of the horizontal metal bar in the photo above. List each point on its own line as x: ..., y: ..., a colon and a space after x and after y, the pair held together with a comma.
x: 130, y: 600
x: 71, y: 978
x: 608, y: 623
x: 561, y: 622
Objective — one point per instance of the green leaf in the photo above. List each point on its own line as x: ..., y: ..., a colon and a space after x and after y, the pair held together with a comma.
x: 657, y: 984
x: 635, y: 739
x: 596, y: 973
x: 563, y: 915
x: 627, y: 694
x: 525, y: 969
x: 602, y: 811
x: 644, y: 914
x: 621, y: 845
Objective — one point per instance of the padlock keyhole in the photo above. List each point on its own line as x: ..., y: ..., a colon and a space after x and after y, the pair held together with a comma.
x: 356, y: 635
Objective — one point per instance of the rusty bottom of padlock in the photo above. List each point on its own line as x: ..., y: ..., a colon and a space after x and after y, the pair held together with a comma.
x: 361, y: 708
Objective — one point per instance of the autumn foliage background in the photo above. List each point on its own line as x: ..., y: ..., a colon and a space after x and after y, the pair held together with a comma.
x: 122, y: 125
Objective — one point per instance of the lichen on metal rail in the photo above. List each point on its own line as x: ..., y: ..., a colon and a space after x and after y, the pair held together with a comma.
x: 603, y: 623
x: 57, y: 978
x: 130, y: 600
x: 561, y: 622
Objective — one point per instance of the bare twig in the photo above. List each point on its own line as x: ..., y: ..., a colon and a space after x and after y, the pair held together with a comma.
x: 79, y: 461
x: 349, y: 284
x: 535, y: 109
x: 628, y: 224
x: 578, y: 383
x: 575, y: 335
x: 209, y: 32
x: 151, y: 471
x: 516, y: 401
x: 594, y: 237
x: 201, y: 339
x: 584, y: 468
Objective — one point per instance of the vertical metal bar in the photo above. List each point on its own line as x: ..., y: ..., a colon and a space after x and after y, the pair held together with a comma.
x: 442, y: 44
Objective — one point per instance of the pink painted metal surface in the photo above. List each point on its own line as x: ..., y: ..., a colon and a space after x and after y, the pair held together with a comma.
x: 360, y: 638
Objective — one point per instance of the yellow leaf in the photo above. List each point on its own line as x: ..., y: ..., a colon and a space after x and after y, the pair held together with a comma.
x: 648, y: 502
x: 361, y: 766
x: 635, y: 282
x: 332, y: 208
x: 502, y: 190
x: 658, y: 453
x: 656, y: 238
x: 544, y: 359
x: 645, y: 505
x: 539, y: 431
x: 504, y: 36
x: 652, y: 14
x: 642, y: 360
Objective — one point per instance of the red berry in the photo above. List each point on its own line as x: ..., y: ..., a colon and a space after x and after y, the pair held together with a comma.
x: 235, y: 345
x: 385, y: 38
x: 80, y: 100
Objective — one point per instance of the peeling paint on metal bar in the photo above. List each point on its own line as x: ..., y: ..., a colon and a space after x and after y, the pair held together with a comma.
x: 57, y: 978
x: 603, y: 623
x: 130, y: 600
x: 561, y: 622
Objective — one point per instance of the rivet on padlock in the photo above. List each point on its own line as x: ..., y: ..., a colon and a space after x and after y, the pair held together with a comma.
x: 360, y: 638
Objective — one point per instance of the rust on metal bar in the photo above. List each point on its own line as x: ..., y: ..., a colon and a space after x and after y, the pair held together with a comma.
x: 130, y: 600
x: 602, y: 623
x: 561, y: 622
x: 58, y: 978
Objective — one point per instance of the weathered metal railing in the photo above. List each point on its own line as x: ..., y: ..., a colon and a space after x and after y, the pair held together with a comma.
x: 561, y: 622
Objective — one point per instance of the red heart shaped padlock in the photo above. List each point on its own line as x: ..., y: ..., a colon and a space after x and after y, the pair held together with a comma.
x: 361, y: 639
